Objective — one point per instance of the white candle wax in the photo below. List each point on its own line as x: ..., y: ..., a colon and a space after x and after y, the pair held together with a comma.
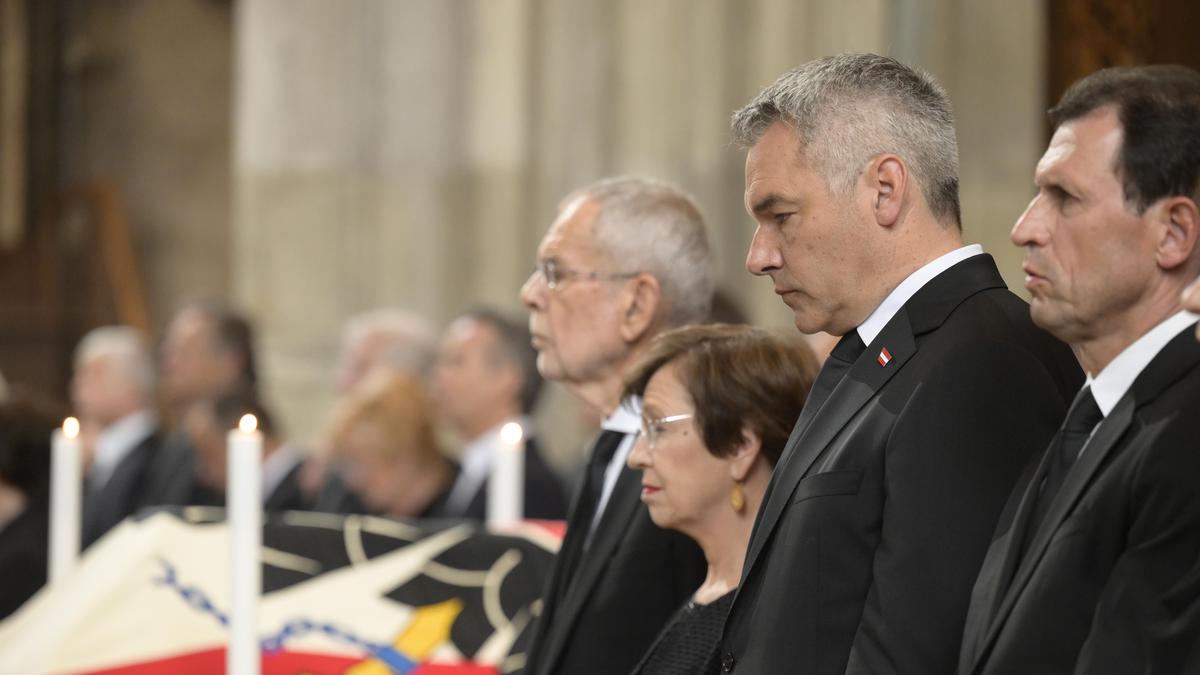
x: 506, y: 485
x: 66, y: 488
x: 243, y: 501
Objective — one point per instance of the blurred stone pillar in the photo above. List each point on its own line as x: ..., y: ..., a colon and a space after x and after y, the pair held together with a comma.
x: 347, y: 134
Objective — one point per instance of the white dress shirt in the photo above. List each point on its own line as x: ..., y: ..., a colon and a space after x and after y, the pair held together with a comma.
x: 115, y: 442
x: 627, y: 419
x: 277, y: 466
x: 1111, y: 383
x: 879, y: 318
x: 475, y: 464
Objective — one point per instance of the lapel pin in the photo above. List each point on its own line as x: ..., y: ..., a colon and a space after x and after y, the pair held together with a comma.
x: 884, y: 356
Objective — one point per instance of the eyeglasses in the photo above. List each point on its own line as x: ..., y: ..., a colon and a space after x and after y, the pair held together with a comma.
x: 652, y: 430
x: 555, y: 275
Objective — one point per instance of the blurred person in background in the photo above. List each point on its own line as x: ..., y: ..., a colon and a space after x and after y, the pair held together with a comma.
x: 385, y: 338
x: 718, y: 404
x: 390, y: 338
x: 207, y: 425
x: 384, y: 443
x: 25, y: 428
x: 112, y: 392
x: 486, y: 377
x: 208, y: 351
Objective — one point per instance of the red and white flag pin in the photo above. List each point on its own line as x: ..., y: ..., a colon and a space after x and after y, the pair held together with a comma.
x: 884, y: 356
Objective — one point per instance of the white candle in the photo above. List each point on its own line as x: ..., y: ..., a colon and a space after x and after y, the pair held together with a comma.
x: 66, y: 487
x: 243, y: 500
x: 506, y: 485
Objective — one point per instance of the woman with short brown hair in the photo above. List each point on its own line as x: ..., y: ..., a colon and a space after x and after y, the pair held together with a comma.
x: 383, y: 437
x: 718, y: 404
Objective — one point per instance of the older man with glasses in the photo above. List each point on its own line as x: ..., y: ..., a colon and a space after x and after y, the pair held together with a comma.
x: 625, y: 259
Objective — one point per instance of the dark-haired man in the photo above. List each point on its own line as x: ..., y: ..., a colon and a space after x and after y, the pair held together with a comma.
x: 208, y: 352
x: 207, y: 424
x: 485, y: 377
x: 1096, y: 563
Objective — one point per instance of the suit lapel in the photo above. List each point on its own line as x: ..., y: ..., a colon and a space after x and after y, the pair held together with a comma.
x: 925, y: 311
x: 622, y: 505
x: 1176, y: 359
x: 1098, y: 448
x: 811, y: 436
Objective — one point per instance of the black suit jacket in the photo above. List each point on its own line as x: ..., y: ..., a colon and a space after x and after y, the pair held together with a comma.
x: 631, y: 580
x: 1111, y: 579
x: 544, y: 497
x: 123, y: 494
x: 288, y: 495
x: 880, y: 510
x: 24, y: 543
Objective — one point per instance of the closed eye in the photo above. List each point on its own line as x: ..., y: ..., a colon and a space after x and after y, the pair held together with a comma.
x: 1058, y: 193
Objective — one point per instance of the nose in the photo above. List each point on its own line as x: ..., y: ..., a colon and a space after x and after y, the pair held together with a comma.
x: 639, y: 454
x: 1030, y: 229
x: 764, y: 256
x: 533, y: 291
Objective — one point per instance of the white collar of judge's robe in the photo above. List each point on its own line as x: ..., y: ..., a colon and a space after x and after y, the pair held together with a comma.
x: 1111, y: 383
x: 871, y: 328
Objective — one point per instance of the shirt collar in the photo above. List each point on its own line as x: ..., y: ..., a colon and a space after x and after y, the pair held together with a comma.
x: 116, y: 441
x: 627, y: 418
x: 277, y: 466
x: 1111, y: 383
x: 478, y: 453
x: 870, y: 328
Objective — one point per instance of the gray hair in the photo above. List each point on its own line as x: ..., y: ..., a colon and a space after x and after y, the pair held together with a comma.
x: 409, y: 340
x: 654, y: 227
x: 128, y: 350
x: 849, y: 108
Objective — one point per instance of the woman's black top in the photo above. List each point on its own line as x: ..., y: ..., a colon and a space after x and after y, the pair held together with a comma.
x: 688, y: 645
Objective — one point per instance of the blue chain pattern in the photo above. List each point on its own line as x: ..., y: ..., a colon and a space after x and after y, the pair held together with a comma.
x: 198, y: 600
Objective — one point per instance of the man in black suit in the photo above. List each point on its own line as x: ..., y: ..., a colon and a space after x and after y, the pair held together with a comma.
x: 1096, y: 565
x: 624, y: 259
x: 208, y: 351
x: 207, y: 425
x: 112, y: 390
x: 881, y: 507
x: 486, y: 377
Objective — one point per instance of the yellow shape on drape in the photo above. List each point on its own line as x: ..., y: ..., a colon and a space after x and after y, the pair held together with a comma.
x: 429, y: 628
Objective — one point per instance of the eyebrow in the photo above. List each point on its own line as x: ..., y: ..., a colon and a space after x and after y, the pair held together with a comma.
x: 767, y: 203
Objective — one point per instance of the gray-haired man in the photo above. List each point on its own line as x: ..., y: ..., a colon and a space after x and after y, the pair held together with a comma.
x: 882, y: 505
x: 625, y: 259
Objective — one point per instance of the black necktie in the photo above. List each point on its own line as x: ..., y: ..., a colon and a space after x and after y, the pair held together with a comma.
x: 585, y: 509
x: 1083, y: 416
x: 843, y: 356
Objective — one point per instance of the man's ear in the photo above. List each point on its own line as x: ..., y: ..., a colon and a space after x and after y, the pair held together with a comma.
x: 887, y: 182
x: 1179, y: 219
x: 741, y: 462
x: 641, y: 300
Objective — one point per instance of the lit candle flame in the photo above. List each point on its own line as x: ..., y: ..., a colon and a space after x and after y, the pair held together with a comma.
x: 511, y: 433
x: 248, y: 423
x: 70, y: 428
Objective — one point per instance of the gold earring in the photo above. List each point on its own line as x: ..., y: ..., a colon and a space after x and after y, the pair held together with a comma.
x: 737, y: 498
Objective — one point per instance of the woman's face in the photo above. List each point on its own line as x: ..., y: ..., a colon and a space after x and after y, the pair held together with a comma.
x: 682, y: 482
x: 370, y: 472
